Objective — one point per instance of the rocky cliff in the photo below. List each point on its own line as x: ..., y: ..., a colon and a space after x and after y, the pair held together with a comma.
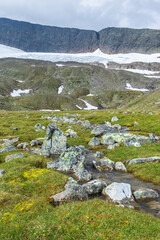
x: 38, y: 38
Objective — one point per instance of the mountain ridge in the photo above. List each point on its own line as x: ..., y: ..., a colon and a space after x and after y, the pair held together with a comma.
x: 42, y: 38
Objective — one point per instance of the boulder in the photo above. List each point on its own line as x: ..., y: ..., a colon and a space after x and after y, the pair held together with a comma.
x: 55, y: 141
x: 94, y: 187
x: 132, y: 142
x: 119, y: 166
x: 14, y: 156
x: 145, y: 194
x: 99, y: 154
x: 110, y: 147
x: 86, y: 124
x: 36, y: 142
x: 69, y: 159
x: 118, y: 192
x: 23, y: 145
x: 94, y: 142
x: 108, y: 124
x: 81, y: 173
x: 143, y: 160
x: 104, y: 164
x: 73, y: 192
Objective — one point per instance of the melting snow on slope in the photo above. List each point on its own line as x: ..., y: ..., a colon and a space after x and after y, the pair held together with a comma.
x: 60, y: 89
x: 19, y: 92
x: 141, y: 71
x: 89, y: 106
x: 90, y: 95
x: 129, y: 87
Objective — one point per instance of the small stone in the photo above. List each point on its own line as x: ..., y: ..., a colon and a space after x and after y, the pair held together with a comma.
x: 114, y: 119
x: 23, y: 145
x: 99, y: 154
x: 104, y: 164
x: 108, y: 124
x: 36, y: 142
x: 2, y: 171
x: 119, y: 166
x: 71, y: 133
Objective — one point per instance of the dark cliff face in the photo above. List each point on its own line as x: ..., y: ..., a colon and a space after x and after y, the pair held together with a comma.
x: 37, y: 38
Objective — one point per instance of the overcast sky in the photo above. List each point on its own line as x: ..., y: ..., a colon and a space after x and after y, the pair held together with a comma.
x: 86, y: 14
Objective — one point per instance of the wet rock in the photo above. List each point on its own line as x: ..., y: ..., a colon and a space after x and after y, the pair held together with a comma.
x: 55, y: 141
x: 14, y: 156
x: 73, y: 192
x: 119, y: 166
x: 104, y: 164
x: 2, y: 171
x: 99, y: 154
x: 23, y: 145
x: 36, y: 142
x: 81, y: 173
x: 118, y: 192
x: 143, y: 160
x: 69, y: 159
x: 145, y: 194
x: 99, y: 130
x: 71, y: 133
x: 7, y: 149
x: 114, y: 119
x: 94, y: 186
x: 94, y: 142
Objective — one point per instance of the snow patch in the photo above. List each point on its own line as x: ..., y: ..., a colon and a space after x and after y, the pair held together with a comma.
x: 141, y: 71
x: 90, y: 95
x: 60, y: 65
x: 129, y: 87
x: 19, y: 92
x: 50, y: 110
x: 60, y: 89
x: 20, y: 81
x: 78, y: 107
x: 89, y: 106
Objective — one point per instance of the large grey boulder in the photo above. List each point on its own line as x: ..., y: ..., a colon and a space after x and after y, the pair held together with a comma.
x: 81, y: 173
x: 69, y: 159
x: 94, y: 142
x: 14, y: 156
x: 55, y: 141
x: 118, y: 192
x: 104, y: 164
x: 73, y: 192
x: 145, y: 194
x: 94, y: 186
x: 99, y: 129
x: 143, y: 160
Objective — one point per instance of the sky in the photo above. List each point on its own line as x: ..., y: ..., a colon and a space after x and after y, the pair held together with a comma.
x: 85, y: 14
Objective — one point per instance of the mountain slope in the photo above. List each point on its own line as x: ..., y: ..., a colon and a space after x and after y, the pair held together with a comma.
x: 38, y: 38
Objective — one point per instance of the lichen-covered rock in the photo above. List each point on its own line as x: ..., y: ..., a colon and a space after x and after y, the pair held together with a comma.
x: 55, y: 141
x: 14, y: 156
x: 143, y: 160
x: 2, y: 171
x: 71, y: 133
x: 7, y: 149
x: 94, y: 186
x: 81, y: 173
x: 104, y: 164
x: 99, y: 129
x: 99, y: 154
x: 119, y: 166
x: 145, y: 194
x: 117, y: 126
x: 111, y: 138
x: 86, y: 124
x: 108, y: 124
x: 118, y: 192
x: 73, y: 192
x: 69, y: 159
x: 94, y: 142
x: 35, y: 151
x: 110, y: 147
x: 132, y: 142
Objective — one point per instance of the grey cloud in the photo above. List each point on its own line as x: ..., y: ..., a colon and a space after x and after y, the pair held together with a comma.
x: 87, y: 14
